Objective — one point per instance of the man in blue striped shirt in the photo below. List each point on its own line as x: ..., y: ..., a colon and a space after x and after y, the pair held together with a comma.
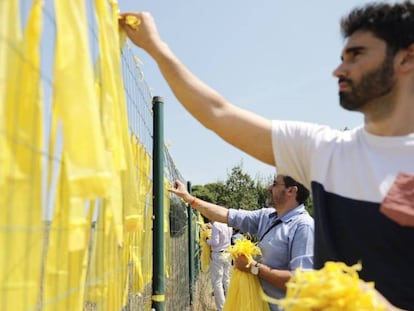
x: 285, y: 232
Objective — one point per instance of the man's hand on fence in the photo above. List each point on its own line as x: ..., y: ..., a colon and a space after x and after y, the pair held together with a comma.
x: 141, y: 29
x: 180, y: 190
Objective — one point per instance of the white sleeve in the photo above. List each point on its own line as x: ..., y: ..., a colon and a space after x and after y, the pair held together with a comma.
x: 294, y: 146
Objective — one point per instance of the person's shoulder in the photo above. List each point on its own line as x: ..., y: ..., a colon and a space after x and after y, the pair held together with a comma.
x: 302, y: 216
x: 305, y: 219
x: 306, y: 131
x: 299, y: 126
x: 266, y: 210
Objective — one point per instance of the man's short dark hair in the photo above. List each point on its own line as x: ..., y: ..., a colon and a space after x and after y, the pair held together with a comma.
x: 302, y: 194
x: 393, y: 23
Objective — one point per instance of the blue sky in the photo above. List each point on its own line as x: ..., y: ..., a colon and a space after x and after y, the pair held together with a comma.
x: 272, y: 57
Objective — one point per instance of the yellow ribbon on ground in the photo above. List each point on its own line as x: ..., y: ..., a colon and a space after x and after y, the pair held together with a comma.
x: 21, y: 136
x: 245, y: 289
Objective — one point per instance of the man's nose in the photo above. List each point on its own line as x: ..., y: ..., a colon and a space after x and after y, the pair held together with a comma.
x: 340, y: 71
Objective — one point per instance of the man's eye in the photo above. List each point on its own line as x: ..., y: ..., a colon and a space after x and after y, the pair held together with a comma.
x: 355, y: 54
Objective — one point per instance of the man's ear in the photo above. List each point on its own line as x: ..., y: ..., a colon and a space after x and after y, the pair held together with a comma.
x: 295, y: 188
x: 407, y: 59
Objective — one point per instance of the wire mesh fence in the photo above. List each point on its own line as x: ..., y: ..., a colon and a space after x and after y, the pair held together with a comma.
x: 76, y: 167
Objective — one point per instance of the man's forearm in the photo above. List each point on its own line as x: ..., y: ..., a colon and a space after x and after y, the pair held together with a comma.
x: 277, y: 278
x: 203, y: 102
x: 211, y: 211
x: 242, y: 129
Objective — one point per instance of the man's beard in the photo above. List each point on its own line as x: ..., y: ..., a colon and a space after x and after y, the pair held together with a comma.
x: 374, y: 84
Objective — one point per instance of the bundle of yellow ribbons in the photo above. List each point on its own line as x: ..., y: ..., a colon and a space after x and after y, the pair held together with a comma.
x: 205, y: 233
x: 245, y: 289
x: 334, y: 287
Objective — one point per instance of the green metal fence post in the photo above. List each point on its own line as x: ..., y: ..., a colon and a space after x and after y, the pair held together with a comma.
x: 158, y: 274
x: 190, y: 247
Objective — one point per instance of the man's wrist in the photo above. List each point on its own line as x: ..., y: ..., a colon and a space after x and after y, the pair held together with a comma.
x: 189, y: 199
x: 255, y: 268
x: 193, y: 201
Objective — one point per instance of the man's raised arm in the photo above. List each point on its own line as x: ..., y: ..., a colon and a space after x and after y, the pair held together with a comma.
x: 243, y: 129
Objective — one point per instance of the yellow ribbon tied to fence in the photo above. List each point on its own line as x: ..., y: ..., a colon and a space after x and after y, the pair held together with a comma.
x: 21, y: 157
x: 335, y: 287
x: 245, y: 289
x: 77, y: 105
x: 205, y: 233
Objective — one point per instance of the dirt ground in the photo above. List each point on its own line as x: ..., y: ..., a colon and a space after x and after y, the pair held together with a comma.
x: 203, y: 298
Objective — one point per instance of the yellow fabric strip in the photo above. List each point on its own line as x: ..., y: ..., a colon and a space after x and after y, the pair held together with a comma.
x: 114, y: 204
x: 134, y: 226
x: 123, y: 194
x: 135, y: 242
x: 130, y: 192
x: 167, y: 237
x: 97, y: 283
x: 107, y: 274
x: 143, y: 167
x: 109, y: 72
x: 158, y: 298
x: 114, y: 270
x: 65, y: 274
x: 10, y: 40
x: 146, y: 183
x: 10, y: 60
x: 21, y: 135
x: 129, y: 182
x: 77, y: 105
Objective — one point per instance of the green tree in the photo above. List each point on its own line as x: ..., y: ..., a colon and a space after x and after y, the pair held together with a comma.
x: 309, y: 205
x: 262, y: 189
x: 213, y: 192
x: 241, y: 191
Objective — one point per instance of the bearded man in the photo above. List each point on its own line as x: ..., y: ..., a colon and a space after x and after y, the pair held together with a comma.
x: 284, y: 230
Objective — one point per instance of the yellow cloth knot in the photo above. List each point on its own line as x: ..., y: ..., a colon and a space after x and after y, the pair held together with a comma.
x: 132, y: 21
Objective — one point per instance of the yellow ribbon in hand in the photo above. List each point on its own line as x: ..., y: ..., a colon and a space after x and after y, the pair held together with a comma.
x: 132, y: 21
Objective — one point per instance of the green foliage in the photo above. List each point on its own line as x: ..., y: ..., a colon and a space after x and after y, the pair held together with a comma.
x: 213, y: 192
x: 309, y: 205
x: 239, y: 191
